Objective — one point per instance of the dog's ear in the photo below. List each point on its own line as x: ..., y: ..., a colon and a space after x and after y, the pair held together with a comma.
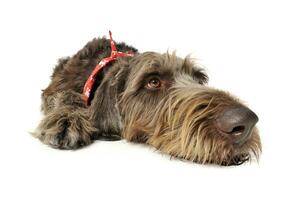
x: 197, y: 73
x: 104, y: 107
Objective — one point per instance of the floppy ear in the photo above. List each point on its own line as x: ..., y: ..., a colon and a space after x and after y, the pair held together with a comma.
x: 104, y: 107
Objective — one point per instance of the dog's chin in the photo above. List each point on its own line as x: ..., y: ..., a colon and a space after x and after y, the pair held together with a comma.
x: 242, y: 155
x: 238, y: 154
x: 236, y: 160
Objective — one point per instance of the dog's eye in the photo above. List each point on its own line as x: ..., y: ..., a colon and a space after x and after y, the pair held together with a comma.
x: 153, y: 83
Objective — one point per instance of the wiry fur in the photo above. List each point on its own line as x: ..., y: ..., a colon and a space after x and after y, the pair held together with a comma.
x: 177, y: 119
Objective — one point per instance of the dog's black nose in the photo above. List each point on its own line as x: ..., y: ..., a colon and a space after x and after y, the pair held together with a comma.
x: 238, y: 122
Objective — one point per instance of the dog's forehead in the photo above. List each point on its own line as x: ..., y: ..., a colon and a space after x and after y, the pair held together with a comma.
x: 152, y: 61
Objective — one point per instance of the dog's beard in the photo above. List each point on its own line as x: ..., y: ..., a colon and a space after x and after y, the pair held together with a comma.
x: 181, y: 125
x: 250, y: 150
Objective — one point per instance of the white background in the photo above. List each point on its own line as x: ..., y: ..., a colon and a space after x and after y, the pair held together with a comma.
x: 241, y: 43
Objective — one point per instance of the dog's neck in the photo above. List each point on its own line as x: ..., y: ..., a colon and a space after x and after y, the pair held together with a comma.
x: 92, y: 78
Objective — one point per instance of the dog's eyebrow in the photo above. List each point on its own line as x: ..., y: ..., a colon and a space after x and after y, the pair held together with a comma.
x: 152, y: 73
x: 164, y: 73
x: 154, y: 64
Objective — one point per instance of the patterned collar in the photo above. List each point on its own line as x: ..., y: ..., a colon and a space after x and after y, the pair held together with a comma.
x: 91, y: 80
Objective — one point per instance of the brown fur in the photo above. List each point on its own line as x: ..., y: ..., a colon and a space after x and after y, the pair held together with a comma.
x: 178, y: 119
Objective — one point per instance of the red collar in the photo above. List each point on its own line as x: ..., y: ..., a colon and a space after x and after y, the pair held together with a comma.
x: 91, y: 80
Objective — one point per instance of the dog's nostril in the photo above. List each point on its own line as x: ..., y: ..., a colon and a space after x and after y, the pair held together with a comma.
x: 237, y: 130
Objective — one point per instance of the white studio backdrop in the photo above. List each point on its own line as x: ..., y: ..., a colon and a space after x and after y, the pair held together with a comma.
x: 240, y: 43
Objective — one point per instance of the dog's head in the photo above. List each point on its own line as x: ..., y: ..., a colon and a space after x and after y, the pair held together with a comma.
x: 163, y: 100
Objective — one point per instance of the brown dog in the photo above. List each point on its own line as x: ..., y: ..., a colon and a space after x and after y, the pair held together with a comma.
x: 157, y: 99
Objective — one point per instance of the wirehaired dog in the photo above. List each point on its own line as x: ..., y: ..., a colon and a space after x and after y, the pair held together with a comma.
x: 157, y: 99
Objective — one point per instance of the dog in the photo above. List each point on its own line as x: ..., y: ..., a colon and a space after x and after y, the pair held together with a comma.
x: 110, y: 91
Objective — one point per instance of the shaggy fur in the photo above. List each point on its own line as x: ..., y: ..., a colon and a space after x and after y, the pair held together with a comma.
x: 178, y: 118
